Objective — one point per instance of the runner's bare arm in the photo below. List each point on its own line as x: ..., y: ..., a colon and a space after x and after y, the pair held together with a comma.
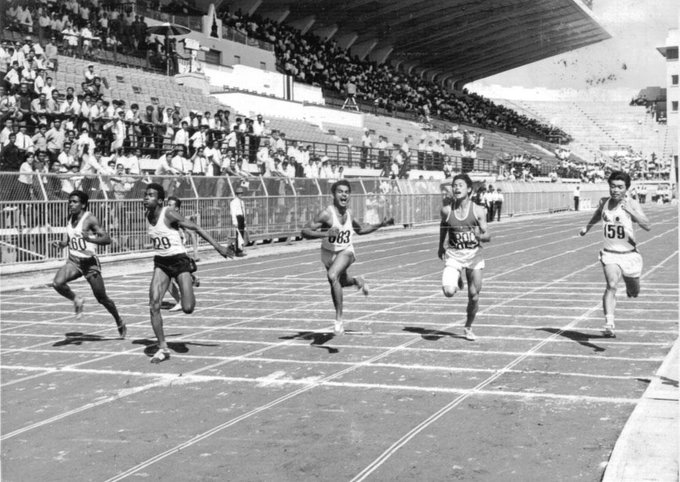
x: 597, y: 215
x: 174, y: 218
x: 632, y: 207
x: 362, y: 229
x: 482, y: 230
x: 318, y: 227
x: 443, y: 231
x: 100, y: 236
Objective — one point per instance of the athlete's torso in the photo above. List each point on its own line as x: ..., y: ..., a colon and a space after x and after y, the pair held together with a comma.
x: 167, y: 241
x: 344, y: 238
x: 77, y: 246
x: 617, y: 230
x: 461, y: 229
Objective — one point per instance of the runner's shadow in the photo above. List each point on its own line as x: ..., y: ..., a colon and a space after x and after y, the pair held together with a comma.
x: 431, y: 335
x: 318, y: 339
x: 176, y: 346
x: 578, y: 337
x: 77, y: 338
x: 669, y: 381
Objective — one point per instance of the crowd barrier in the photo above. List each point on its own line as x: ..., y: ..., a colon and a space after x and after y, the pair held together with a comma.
x: 34, y: 207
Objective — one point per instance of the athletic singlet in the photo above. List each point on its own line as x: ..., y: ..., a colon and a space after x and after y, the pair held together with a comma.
x: 167, y: 241
x: 77, y: 246
x: 618, y: 232
x: 461, y: 232
x: 344, y: 237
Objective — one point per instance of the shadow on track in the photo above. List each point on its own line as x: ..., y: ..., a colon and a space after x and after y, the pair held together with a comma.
x: 578, y: 337
x: 318, y: 339
x: 431, y: 335
x: 78, y: 338
x: 176, y: 346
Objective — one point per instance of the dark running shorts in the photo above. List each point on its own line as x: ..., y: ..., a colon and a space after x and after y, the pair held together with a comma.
x: 175, y: 265
x: 87, y: 267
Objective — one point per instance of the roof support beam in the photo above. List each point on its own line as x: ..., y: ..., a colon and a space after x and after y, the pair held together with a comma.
x: 246, y: 6
x: 346, y: 40
x: 303, y: 24
x: 277, y: 16
x: 364, y: 48
x: 326, y: 33
x: 379, y: 55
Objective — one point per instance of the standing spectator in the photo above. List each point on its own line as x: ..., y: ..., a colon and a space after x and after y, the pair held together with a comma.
x: 577, y: 197
x: 256, y: 136
x: 10, y: 155
x: 490, y: 199
x: 642, y: 193
x: 498, y: 204
x: 238, y: 212
x: 366, y: 144
x: 24, y: 186
x: 55, y: 139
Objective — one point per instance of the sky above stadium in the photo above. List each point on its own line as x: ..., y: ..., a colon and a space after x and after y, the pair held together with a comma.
x: 615, y: 69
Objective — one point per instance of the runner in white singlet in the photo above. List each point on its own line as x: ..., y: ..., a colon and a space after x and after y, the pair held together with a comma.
x: 619, y: 255
x: 171, y: 260
x: 464, y: 223
x: 336, y: 227
x: 83, y: 235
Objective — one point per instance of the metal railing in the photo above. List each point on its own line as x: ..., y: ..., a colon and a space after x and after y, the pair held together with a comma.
x: 34, y: 211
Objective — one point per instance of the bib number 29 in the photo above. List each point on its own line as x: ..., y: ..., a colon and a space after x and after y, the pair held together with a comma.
x: 161, y: 243
x: 342, y: 238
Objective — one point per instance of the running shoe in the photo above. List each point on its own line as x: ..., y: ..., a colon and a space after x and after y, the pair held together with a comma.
x: 78, y: 304
x: 362, y: 285
x: 469, y: 335
x: 609, y: 330
x: 161, y: 355
x: 177, y: 307
x: 195, y: 281
x: 338, y: 328
x: 122, y: 330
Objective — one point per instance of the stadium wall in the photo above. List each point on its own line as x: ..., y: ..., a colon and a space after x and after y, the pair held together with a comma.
x: 245, y: 103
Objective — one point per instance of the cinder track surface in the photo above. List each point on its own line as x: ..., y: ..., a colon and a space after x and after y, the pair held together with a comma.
x: 258, y: 389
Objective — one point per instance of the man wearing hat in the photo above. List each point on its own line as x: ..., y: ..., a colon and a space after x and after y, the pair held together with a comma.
x: 238, y: 211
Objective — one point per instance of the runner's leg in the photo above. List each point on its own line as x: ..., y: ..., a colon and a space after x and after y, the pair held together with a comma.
x: 335, y: 272
x: 68, y: 273
x: 474, y: 279
x: 186, y: 289
x: 99, y: 289
x: 612, y: 276
x: 159, y: 285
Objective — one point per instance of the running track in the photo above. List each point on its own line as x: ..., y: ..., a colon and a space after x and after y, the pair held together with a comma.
x: 257, y: 388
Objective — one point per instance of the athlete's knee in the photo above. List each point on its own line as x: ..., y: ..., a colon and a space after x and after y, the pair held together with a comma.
x: 188, y: 308
x: 155, y: 305
x: 611, y: 286
x: 473, y: 296
x: 333, y: 276
x: 449, y: 291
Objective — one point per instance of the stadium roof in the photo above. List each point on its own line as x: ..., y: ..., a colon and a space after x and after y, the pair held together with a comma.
x: 454, y: 40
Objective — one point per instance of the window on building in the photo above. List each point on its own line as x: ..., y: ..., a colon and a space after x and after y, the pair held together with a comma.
x: 672, y: 53
x: 237, y: 60
x: 674, y: 106
x: 263, y: 66
x: 212, y: 57
x: 674, y: 80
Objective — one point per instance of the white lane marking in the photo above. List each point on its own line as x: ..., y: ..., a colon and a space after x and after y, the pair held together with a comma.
x: 382, y: 458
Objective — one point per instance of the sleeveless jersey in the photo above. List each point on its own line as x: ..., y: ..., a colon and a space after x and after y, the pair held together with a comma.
x: 344, y: 238
x: 461, y: 232
x: 77, y: 246
x: 618, y: 231
x: 167, y: 241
